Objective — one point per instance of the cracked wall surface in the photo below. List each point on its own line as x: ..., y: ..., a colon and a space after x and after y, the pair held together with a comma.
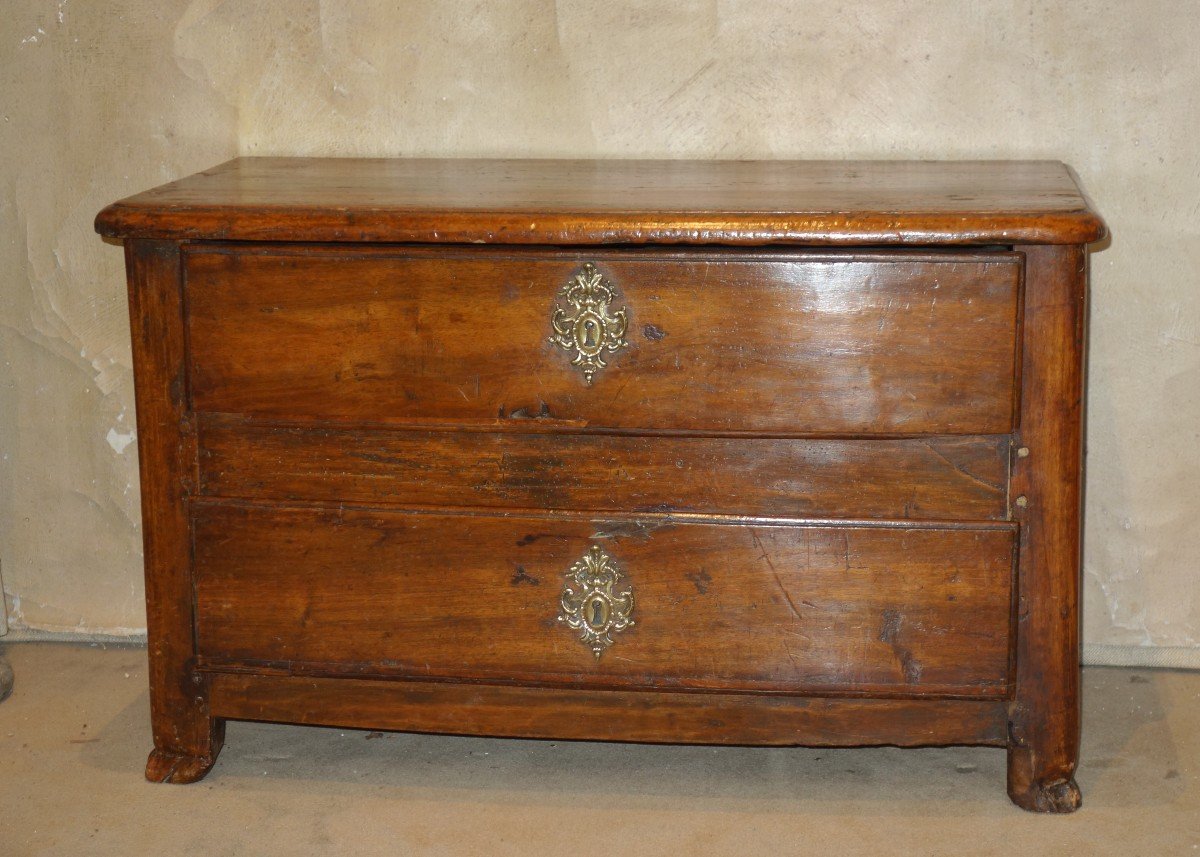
x: 102, y: 100
x: 92, y: 104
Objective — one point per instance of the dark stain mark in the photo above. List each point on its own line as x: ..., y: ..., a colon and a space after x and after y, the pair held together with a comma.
x: 656, y: 507
x: 268, y: 309
x: 889, y: 632
x: 546, y: 481
x: 654, y: 333
x: 383, y: 458
x: 700, y: 579
x: 510, y: 293
x: 522, y: 576
x: 178, y: 388
x: 966, y: 769
x: 530, y: 538
x: 1172, y: 774
x: 912, y: 669
x: 890, y: 629
x: 371, y: 736
x: 1015, y: 736
x: 530, y: 471
x: 1138, y: 679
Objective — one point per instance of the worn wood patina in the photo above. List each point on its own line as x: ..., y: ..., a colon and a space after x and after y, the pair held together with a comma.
x: 727, y: 452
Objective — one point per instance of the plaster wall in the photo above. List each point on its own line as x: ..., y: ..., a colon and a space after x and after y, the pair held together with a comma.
x: 99, y: 100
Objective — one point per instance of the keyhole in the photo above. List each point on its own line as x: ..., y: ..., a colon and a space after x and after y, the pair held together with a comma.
x: 589, y: 334
x: 597, y: 614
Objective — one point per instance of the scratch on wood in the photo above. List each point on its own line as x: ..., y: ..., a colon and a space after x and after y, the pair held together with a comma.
x: 639, y: 529
x: 765, y: 557
x: 846, y: 554
x: 960, y: 469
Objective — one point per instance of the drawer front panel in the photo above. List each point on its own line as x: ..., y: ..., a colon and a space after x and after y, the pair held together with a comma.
x: 714, y: 342
x: 800, y: 609
x: 918, y: 478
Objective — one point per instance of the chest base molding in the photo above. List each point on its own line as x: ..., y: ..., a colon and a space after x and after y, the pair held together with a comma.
x: 595, y: 715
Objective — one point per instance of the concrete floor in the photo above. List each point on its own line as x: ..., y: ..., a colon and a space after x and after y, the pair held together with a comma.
x: 74, y: 737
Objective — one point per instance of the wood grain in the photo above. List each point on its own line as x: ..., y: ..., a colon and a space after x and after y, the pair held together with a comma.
x: 186, y: 738
x: 523, y: 712
x: 761, y: 607
x: 1045, y: 715
x: 719, y: 342
x: 615, y: 202
x: 916, y: 479
x: 365, y: 469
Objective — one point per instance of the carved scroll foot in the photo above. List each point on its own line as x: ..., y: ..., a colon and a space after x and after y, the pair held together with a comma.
x: 165, y: 767
x: 1059, y: 796
x: 1034, y: 788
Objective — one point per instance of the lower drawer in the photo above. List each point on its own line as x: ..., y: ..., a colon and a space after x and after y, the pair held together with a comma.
x: 714, y: 604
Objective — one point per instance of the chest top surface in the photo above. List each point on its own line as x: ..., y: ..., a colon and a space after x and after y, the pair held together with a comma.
x: 593, y: 202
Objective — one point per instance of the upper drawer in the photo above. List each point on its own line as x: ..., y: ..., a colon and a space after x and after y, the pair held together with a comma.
x: 719, y: 341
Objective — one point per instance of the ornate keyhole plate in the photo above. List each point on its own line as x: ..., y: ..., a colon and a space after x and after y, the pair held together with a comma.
x: 588, y: 328
x: 590, y: 606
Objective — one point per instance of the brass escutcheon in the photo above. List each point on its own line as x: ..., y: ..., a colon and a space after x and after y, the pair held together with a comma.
x: 589, y: 605
x: 588, y: 328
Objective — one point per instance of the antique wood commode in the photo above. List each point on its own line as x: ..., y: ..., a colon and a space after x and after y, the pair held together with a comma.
x: 728, y: 452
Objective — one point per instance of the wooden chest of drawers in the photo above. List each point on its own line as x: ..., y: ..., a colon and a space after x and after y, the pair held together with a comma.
x: 753, y: 453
